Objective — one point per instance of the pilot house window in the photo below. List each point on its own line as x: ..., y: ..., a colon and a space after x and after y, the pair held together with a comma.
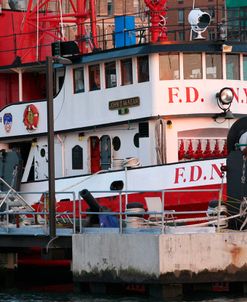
x: 110, y: 75
x: 77, y: 158
x: 169, y: 66
x: 214, y: 66
x: 126, y: 71
x: 143, y: 69
x: 232, y: 67
x: 192, y: 66
x: 78, y: 80
x: 94, y: 77
x: 245, y: 67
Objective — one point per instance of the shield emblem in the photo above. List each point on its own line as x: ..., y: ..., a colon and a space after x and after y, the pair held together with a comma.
x: 7, y: 121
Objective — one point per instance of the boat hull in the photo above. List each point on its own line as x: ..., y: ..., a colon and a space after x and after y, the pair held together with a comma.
x: 185, y: 186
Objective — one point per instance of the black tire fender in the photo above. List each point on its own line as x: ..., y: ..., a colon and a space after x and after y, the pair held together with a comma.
x: 133, y: 205
x: 235, y: 132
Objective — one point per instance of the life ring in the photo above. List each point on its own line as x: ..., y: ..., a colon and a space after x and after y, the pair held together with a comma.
x: 31, y: 117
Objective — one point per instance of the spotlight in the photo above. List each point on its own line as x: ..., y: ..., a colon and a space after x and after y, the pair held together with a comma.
x: 199, y: 22
x: 224, y: 101
x: 225, y: 96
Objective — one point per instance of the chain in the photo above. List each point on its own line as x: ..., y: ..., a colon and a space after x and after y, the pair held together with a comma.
x: 243, y: 178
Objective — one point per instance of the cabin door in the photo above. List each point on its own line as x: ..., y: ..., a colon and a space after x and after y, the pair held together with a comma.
x: 105, y: 152
x: 41, y: 162
x: 95, y: 154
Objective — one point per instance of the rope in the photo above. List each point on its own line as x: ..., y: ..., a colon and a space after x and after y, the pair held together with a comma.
x: 240, y: 207
x: 81, y: 181
x: 131, y: 162
x: 128, y: 162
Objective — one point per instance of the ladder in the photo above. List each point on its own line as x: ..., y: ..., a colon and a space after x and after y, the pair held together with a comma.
x: 12, y: 202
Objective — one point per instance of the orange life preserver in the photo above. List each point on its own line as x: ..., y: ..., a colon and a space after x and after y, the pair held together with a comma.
x: 31, y: 117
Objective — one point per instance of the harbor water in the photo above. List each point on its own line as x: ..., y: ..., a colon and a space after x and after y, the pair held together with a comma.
x: 41, y: 296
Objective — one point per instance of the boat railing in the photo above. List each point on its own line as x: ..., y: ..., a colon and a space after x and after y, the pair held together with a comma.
x: 160, y: 219
x: 17, y: 216
x: 110, y: 36
x: 225, y: 25
x: 229, y: 23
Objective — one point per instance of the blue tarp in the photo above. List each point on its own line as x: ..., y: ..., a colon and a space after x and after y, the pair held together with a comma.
x: 108, y: 221
x: 124, y: 31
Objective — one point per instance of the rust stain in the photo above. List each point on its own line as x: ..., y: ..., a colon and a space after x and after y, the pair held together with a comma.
x: 236, y: 255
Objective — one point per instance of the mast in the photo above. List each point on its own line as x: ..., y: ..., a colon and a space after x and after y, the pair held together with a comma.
x: 30, y: 34
x: 157, y: 11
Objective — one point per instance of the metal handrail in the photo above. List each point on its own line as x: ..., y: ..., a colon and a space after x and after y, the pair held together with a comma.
x: 32, y: 212
x: 162, y: 213
x: 122, y: 214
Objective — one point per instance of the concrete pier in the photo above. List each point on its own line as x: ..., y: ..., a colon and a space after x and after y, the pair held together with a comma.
x: 164, y: 260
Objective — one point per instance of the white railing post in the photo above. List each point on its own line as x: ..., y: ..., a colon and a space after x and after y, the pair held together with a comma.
x: 121, y: 213
x: 163, y: 204
x: 74, y: 213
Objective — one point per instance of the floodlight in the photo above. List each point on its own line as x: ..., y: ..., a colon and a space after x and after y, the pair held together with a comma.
x: 199, y: 21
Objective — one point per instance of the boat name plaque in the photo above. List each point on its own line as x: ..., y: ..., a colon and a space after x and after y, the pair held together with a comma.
x: 130, y: 102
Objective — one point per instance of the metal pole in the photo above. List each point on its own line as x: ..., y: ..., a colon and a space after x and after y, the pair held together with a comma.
x: 51, y: 163
x: 163, y: 206
x: 121, y: 215
x: 219, y: 202
x: 126, y: 185
x: 217, y: 17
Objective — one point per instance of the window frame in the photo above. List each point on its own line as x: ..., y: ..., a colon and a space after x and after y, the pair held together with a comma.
x: 124, y: 79
x: 74, y: 80
x: 244, y: 62
x: 142, y: 77
x: 106, y: 74
x: 94, y: 75
x: 181, y: 16
x: 221, y: 66
x: 75, y: 154
x: 165, y: 78
x: 189, y: 62
x: 228, y: 55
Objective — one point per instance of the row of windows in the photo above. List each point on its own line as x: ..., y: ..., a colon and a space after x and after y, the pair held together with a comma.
x: 110, y: 74
x: 169, y: 67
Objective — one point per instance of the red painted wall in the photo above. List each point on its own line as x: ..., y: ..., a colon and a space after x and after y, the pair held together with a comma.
x: 18, y: 38
x: 33, y: 88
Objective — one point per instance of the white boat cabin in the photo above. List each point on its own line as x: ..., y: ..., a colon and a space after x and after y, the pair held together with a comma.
x: 153, y: 104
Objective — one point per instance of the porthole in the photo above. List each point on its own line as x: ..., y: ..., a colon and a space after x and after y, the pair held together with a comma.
x: 117, y: 185
x: 136, y: 140
x: 116, y: 143
x: 42, y: 152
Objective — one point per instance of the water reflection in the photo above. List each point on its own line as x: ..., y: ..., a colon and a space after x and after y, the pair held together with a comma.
x: 24, y: 296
